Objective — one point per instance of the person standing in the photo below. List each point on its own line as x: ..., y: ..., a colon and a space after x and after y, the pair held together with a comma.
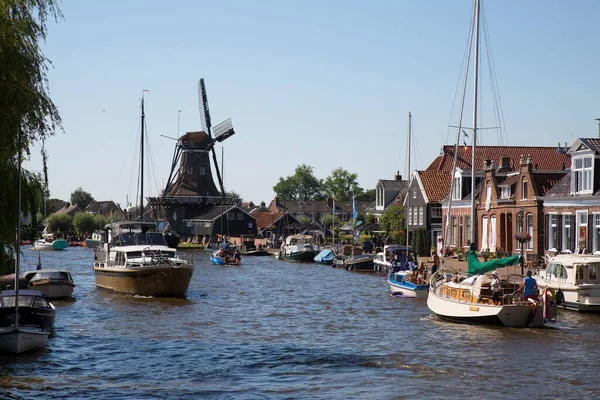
x: 529, y: 287
x: 496, y: 287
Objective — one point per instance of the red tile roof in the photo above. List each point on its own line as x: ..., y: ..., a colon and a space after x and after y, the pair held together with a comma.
x: 264, y: 219
x: 543, y: 158
x: 436, y: 184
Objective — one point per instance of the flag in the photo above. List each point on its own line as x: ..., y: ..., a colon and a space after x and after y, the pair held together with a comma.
x: 354, y: 212
x: 39, y: 264
x: 334, y: 206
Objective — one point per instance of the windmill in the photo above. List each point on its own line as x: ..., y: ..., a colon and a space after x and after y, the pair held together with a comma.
x: 220, y: 132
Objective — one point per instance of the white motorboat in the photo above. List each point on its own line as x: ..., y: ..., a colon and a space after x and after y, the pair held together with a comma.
x: 573, y: 280
x: 93, y: 241
x: 49, y: 243
x: 383, y: 260
x: 299, y: 248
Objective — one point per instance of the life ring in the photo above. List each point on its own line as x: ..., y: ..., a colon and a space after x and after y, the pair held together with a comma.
x: 560, y: 297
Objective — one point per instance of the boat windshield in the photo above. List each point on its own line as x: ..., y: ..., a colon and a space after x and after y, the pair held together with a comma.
x: 24, y: 301
x: 143, y: 239
x: 52, y: 275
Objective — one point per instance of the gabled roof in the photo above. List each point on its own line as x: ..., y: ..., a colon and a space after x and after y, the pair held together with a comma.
x: 544, y: 181
x: 264, y: 219
x: 543, y: 158
x: 99, y: 207
x: 69, y: 209
x: 435, y: 184
x: 561, y: 189
x: 215, y: 212
x: 592, y: 144
x: 392, y: 184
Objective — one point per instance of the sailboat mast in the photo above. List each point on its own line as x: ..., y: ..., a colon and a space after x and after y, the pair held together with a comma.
x: 408, y: 190
x: 475, y: 84
x: 18, y: 244
x: 142, y: 163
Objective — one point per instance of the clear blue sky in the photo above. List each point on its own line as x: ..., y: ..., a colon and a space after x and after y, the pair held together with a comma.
x: 327, y: 84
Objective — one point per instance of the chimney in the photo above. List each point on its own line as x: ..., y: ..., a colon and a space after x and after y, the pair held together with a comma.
x: 262, y: 204
x: 398, y: 177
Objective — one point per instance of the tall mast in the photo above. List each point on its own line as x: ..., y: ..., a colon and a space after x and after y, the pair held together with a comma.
x: 408, y: 190
x: 476, y: 79
x: 18, y: 244
x: 142, y: 163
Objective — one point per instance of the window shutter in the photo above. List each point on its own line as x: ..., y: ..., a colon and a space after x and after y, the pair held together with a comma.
x: 574, y: 234
x: 559, y: 224
x: 590, y: 234
x: 546, y: 231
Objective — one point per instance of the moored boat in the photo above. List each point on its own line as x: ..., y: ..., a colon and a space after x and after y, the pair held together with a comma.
x: 325, y: 256
x: 55, y: 284
x: 573, y: 281
x: 383, y: 260
x: 406, y: 284
x: 298, y: 248
x: 359, y: 263
x: 96, y: 238
x: 137, y: 260
x: 48, y: 243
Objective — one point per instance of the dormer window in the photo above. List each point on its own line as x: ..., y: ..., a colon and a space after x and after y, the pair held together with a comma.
x: 505, y: 192
x: 582, y: 175
x: 456, y: 194
x: 524, y: 190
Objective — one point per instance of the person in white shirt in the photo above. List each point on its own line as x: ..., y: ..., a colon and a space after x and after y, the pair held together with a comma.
x: 495, y: 286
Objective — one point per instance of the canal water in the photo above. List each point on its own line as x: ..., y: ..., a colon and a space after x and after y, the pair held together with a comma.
x: 275, y: 330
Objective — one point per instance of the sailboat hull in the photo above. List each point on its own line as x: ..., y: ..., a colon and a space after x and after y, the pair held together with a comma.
x: 22, y: 340
x: 156, y: 281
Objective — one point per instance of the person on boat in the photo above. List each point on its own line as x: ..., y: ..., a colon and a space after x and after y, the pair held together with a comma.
x: 237, y: 257
x: 395, y: 264
x: 220, y: 254
x: 529, y: 287
x: 496, y: 287
x: 436, y: 264
x: 421, y: 273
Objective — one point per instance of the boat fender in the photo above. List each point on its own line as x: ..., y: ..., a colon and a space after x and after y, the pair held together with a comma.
x: 551, y: 295
x: 560, y: 297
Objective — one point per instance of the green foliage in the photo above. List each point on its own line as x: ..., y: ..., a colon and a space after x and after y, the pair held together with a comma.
x: 27, y: 114
x: 419, y: 241
x: 233, y: 194
x: 100, y: 221
x: 62, y: 223
x: 341, y: 184
x: 302, y: 186
x: 392, y: 222
x: 81, y: 198
x: 367, y: 195
x: 303, y: 219
x: 370, y: 218
x: 330, y: 220
x: 85, y: 222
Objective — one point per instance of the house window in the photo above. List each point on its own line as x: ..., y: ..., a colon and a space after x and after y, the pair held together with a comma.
x: 202, y: 171
x: 456, y: 194
x: 530, y: 231
x: 524, y: 190
x: 552, y: 232
x: 436, y: 211
x: 414, y: 193
x: 453, y: 234
x: 231, y: 216
x: 468, y: 227
x: 596, y: 233
x: 415, y: 211
x: 519, y: 227
x: 460, y: 232
x: 582, y: 229
x: 484, y: 232
x: 409, y: 215
x: 567, y: 232
x: 421, y: 215
x: 240, y: 216
x: 505, y: 192
x: 582, y: 175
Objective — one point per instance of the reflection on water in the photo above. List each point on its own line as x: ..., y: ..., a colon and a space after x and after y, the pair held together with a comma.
x: 271, y: 329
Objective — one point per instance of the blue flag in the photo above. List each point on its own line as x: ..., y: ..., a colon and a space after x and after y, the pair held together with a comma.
x: 334, y: 206
x: 354, y: 212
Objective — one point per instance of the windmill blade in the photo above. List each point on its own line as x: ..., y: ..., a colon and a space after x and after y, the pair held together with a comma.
x: 203, y: 107
x: 223, y: 130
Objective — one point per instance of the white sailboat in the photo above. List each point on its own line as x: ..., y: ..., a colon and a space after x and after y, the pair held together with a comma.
x: 406, y: 283
x: 15, y: 337
x: 470, y: 300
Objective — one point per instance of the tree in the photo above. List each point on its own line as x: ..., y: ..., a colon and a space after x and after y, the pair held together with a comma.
x: 392, y: 222
x: 60, y: 223
x: 367, y: 195
x: 81, y: 198
x: 85, y: 223
x: 27, y: 114
x: 341, y: 184
x: 302, y: 186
